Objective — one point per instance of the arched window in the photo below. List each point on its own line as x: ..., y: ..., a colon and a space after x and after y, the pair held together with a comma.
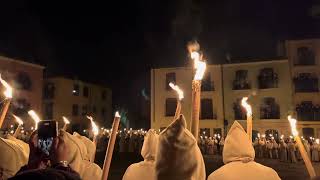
x: 241, y: 80
x: 305, y: 56
x: 239, y: 111
x: 269, y: 109
x: 207, y: 84
x: 307, y: 111
x: 23, y: 81
x: 267, y: 79
x: 306, y: 82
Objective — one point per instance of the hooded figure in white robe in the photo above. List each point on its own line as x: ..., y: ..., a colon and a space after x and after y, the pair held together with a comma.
x: 78, y: 158
x: 238, y: 157
x: 283, y: 151
x: 178, y: 155
x: 14, y: 155
x: 315, y: 153
x: 144, y: 170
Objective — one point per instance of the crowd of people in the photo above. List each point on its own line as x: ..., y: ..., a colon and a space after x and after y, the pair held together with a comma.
x: 159, y: 150
x: 286, y: 149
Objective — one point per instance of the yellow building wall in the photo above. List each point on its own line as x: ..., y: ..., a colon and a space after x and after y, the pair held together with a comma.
x: 64, y: 99
x: 184, y: 81
x: 282, y: 94
x: 298, y: 97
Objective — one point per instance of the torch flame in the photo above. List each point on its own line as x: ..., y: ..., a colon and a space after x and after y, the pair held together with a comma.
x: 19, y: 120
x: 35, y: 117
x: 247, y: 106
x: 117, y: 114
x: 65, y: 120
x: 8, y: 91
x: 95, y: 128
x: 293, y: 125
x: 200, y: 66
x: 177, y: 89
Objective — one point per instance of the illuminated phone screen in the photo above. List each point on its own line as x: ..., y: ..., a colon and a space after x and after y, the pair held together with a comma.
x: 45, y: 145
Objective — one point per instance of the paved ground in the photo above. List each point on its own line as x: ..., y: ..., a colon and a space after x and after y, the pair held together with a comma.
x: 285, y: 170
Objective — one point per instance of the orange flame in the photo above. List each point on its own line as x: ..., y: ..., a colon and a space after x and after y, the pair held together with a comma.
x: 247, y: 106
x: 293, y: 125
x: 200, y: 66
x: 95, y: 128
x: 35, y: 117
x: 19, y: 120
x: 177, y: 89
x: 65, y: 120
x: 8, y: 91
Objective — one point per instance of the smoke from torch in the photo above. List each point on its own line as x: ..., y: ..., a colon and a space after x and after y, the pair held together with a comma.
x: 293, y: 125
x: 18, y: 119
x: 8, y: 91
x: 95, y: 128
x: 245, y: 104
x: 35, y: 117
x: 178, y: 90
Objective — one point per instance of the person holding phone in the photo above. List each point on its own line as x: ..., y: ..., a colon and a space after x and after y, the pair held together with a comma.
x: 48, y: 161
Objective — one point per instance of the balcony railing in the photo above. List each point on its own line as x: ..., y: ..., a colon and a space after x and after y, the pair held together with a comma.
x: 240, y: 85
x: 306, y: 84
x: 265, y: 83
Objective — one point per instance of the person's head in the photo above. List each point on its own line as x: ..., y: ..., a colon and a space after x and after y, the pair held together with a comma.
x: 46, y: 174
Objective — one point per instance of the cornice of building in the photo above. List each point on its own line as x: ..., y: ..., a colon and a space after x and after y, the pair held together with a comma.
x: 4, y: 58
x: 231, y: 64
x: 257, y: 62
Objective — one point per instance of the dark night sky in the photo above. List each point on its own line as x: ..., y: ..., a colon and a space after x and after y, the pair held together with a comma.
x: 86, y: 40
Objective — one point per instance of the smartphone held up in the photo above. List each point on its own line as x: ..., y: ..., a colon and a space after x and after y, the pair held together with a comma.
x: 47, y: 131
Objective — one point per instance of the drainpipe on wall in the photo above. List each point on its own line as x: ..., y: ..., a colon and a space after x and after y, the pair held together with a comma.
x: 225, y: 122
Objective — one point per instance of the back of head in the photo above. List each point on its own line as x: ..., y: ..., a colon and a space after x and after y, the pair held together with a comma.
x: 150, y: 145
x: 90, y: 146
x: 178, y: 155
x: 237, y: 146
x: 46, y: 174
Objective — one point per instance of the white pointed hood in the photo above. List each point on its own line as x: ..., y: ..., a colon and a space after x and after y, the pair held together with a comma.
x: 237, y: 146
x: 178, y: 155
x: 145, y: 169
x: 150, y: 145
x: 238, y: 156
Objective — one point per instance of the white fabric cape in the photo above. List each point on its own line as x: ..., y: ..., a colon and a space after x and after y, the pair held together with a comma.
x: 238, y: 157
x: 14, y: 154
x: 144, y: 170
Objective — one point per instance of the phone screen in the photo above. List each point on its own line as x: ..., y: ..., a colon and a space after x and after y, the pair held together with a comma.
x: 45, y: 145
x: 47, y: 131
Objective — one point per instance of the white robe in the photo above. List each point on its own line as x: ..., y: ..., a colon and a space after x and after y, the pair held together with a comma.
x: 13, y: 155
x: 144, y: 170
x: 77, y: 157
x: 239, y: 159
